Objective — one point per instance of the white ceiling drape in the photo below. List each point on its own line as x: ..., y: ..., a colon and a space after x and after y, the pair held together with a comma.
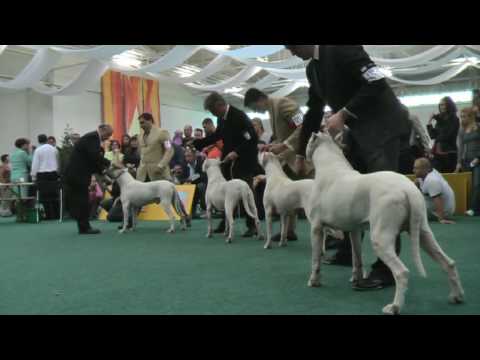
x: 412, y: 69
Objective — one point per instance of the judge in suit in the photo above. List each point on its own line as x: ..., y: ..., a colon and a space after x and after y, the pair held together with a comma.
x: 346, y: 79
x: 156, y: 151
x: 286, y: 121
x: 239, y: 155
x: 87, y: 159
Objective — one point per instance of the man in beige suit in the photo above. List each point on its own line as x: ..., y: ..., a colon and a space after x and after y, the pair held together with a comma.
x: 286, y: 121
x: 156, y: 151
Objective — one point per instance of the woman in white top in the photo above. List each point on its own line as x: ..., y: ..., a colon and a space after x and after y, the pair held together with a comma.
x: 115, y: 154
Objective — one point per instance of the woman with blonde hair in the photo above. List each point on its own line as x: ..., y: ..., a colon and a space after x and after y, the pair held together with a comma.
x: 260, y: 130
x: 469, y: 155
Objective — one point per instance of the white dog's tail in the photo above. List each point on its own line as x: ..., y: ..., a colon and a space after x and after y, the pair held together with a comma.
x: 248, y: 201
x: 178, y: 205
x: 417, y: 218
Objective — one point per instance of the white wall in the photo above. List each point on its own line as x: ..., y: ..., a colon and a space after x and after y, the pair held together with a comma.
x: 179, y: 107
x: 81, y: 112
x: 13, y: 119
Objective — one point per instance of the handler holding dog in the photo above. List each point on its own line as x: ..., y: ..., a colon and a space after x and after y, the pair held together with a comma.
x: 239, y: 156
x: 346, y: 79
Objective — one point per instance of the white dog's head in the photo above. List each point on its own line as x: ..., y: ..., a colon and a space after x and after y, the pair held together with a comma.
x: 265, y: 157
x: 114, y: 172
x: 316, y: 140
x: 209, y: 163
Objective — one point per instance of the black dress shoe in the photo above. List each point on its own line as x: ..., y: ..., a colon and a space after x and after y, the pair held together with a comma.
x: 221, y: 228
x: 383, y: 275
x: 332, y: 243
x: 89, y: 232
x: 250, y: 233
x: 338, y: 260
x: 367, y: 285
x: 290, y: 237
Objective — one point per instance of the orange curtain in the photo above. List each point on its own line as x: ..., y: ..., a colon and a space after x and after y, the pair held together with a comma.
x: 124, y: 98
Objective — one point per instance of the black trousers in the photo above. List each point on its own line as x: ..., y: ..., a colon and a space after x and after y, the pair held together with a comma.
x: 49, y: 193
x: 233, y: 171
x: 445, y: 163
x: 78, y: 204
x: 199, y: 197
x: 385, y: 158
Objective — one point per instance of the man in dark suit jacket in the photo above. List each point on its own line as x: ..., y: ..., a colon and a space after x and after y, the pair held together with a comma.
x: 346, y: 79
x: 87, y: 159
x: 239, y: 155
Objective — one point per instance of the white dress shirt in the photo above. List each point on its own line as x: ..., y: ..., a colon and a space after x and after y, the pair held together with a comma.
x: 45, y: 159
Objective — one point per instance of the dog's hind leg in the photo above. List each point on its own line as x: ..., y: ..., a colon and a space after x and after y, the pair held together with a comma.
x: 317, y: 238
x: 229, y: 209
x: 431, y: 246
x: 383, y: 240
x: 166, y: 205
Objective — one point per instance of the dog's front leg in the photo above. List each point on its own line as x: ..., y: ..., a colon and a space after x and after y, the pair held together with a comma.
x: 134, y: 215
x: 317, y: 238
x: 126, y: 214
x: 268, y: 218
x: 357, y: 268
x: 209, y: 219
x: 284, y: 219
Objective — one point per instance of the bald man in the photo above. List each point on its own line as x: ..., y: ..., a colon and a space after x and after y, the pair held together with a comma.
x: 439, y: 196
x: 87, y: 159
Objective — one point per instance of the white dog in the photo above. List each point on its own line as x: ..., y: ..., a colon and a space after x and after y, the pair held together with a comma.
x: 225, y: 195
x: 284, y: 196
x: 135, y: 194
x: 344, y: 199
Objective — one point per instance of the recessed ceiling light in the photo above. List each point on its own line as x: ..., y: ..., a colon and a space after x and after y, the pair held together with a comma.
x: 218, y: 47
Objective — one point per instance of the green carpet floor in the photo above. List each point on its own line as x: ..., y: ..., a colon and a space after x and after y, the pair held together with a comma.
x: 49, y: 269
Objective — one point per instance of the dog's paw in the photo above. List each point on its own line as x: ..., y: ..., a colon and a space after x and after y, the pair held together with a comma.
x: 391, y: 309
x: 228, y: 240
x: 209, y: 236
x: 267, y: 246
x: 121, y: 232
x: 456, y: 298
x: 170, y: 231
x: 282, y: 244
x: 314, y: 283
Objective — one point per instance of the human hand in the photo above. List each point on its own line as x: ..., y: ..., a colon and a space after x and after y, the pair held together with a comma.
x: 262, y: 148
x: 336, y: 122
x: 277, y: 148
x: 475, y: 162
x: 231, y: 157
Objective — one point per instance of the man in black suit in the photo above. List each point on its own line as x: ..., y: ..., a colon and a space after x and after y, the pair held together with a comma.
x: 87, y: 159
x: 346, y: 79
x: 239, y: 155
